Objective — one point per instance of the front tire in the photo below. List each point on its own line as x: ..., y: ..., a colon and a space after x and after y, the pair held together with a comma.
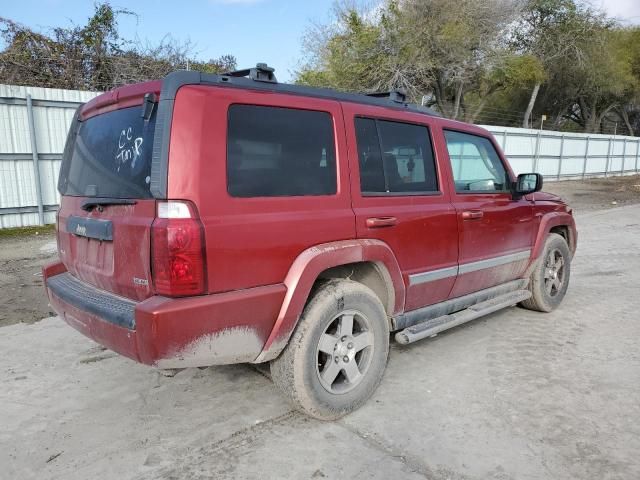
x: 338, y: 352
x: 550, y: 278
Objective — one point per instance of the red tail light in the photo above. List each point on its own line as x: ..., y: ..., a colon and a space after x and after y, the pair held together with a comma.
x: 178, y: 251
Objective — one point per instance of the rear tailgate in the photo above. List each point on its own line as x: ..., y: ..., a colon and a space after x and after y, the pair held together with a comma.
x: 107, y: 209
x: 118, y: 261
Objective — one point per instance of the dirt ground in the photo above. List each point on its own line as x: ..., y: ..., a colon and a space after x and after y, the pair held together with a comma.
x: 22, y: 256
x: 22, y: 298
x: 517, y: 395
x: 597, y: 193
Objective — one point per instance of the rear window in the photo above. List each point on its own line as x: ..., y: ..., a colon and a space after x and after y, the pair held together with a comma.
x: 111, y: 156
x: 278, y: 152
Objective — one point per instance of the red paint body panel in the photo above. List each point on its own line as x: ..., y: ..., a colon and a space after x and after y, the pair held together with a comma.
x: 305, y: 271
x: 110, y: 265
x: 164, y: 326
x: 114, y: 337
x: 263, y: 255
x: 123, y: 97
x: 557, y: 217
x: 250, y: 241
x: 505, y: 226
x: 426, y: 224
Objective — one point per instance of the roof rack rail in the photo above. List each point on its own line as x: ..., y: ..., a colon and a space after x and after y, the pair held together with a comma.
x: 260, y: 73
x: 397, y: 96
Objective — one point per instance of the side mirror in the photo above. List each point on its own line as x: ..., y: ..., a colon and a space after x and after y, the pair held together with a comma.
x: 527, y: 183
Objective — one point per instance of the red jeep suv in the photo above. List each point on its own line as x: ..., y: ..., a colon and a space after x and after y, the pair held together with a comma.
x: 209, y: 219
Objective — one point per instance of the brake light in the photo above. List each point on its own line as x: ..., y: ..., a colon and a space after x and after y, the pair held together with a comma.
x: 178, y: 250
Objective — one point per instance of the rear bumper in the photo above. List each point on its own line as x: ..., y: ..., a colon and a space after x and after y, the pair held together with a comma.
x: 165, y: 332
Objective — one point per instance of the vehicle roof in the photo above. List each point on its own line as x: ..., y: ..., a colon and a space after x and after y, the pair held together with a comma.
x: 169, y: 86
x: 173, y: 81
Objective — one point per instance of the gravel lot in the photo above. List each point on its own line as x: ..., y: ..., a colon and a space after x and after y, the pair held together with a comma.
x: 516, y: 395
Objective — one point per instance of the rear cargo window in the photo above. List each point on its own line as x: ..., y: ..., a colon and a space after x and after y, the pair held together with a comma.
x: 275, y: 152
x: 110, y: 156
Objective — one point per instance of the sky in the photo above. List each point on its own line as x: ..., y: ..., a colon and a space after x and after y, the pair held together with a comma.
x: 253, y: 30
x: 628, y: 11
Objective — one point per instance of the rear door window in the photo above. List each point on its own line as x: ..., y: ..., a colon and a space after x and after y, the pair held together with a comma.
x: 395, y: 158
x: 110, y: 156
x: 276, y: 152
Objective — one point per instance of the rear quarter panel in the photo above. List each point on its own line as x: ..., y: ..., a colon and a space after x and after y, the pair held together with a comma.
x: 250, y: 241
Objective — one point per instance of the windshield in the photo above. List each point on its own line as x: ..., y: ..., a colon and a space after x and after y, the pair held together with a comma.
x: 111, y: 156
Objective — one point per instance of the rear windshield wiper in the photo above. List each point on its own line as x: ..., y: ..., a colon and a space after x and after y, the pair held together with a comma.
x: 89, y: 205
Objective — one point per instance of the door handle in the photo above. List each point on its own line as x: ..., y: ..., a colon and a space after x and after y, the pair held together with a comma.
x: 379, y: 222
x: 472, y: 214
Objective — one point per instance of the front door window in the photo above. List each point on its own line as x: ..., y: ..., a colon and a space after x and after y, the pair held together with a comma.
x: 475, y: 164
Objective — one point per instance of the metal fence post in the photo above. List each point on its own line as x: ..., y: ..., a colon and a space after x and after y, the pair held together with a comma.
x: 606, y: 168
x: 624, y: 155
x: 586, y: 156
x: 34, y: 155
x: 504, y: 141
x: 637, y: 155
x: 560, y: 159
x: 537, y: 153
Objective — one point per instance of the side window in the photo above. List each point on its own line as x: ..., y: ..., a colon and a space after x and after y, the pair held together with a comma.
x: 279, y: 152
x: 395, y: 157
x: 475, y: 163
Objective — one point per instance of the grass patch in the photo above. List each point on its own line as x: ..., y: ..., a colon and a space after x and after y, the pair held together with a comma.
x: 26, y: 231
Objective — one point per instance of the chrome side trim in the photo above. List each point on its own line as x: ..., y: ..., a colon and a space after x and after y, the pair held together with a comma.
x: 433, y: 275
x: 494, y: 262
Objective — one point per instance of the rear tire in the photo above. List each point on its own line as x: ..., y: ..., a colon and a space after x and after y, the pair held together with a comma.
x: 550, y: 278
x: 338, y: 352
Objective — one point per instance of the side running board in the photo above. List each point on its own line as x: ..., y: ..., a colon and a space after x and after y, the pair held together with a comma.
x: 431, y: 327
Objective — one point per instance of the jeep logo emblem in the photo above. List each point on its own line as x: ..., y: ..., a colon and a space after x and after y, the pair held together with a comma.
x: 81, y: 230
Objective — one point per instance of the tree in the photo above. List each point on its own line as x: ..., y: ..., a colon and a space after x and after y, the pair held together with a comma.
x: 552, y: 31
x: 93, y: 56
x: 459, y: 48
x: 422, y: 46
x: 514, y: 72
x: 344, y: 59
x: 628, y: 44
x: 603, y: 81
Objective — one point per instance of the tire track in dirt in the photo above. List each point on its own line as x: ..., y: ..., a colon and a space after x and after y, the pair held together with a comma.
x: 540, y: 364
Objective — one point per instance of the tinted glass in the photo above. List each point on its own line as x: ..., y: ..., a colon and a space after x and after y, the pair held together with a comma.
x: 395, y: 157
x: 371, y: 168
x: 475, y: 163
x: 111, y: 156
x: 274, y: 152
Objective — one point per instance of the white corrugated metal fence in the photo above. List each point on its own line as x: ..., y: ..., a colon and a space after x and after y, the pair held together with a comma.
x: 51, y: 112
x: 44, y: 115
x: 559, y: 155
